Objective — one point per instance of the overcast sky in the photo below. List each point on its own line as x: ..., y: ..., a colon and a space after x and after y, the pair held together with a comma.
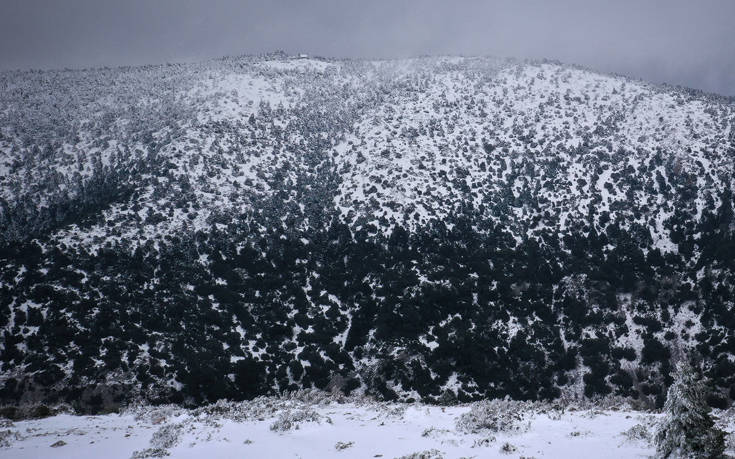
x: 690, y: 43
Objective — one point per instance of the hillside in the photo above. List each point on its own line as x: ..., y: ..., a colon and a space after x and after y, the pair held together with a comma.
x: 437, y: 229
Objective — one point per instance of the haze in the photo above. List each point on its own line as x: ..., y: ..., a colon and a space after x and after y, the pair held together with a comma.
x: 677, y: 42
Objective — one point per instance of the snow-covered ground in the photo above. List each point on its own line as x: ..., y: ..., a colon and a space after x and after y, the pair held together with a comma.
x: 333, y: 428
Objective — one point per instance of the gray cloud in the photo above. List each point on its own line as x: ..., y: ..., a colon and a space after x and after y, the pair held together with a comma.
x: 690, y: 43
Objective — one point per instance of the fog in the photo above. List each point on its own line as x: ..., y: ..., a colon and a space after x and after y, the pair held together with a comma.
x: 689, y: 43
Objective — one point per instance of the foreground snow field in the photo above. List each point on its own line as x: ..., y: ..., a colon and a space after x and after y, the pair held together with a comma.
x: 313, y: 426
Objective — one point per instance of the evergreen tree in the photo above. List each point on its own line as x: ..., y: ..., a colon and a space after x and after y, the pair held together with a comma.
x: 688, y: 430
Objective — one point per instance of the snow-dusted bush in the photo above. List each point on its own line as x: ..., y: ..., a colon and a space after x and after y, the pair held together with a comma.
x: 433, y: 432
x: 688, y: 430
x: 256, y: 409
x: 638, y: 432
x: 495, y: 416
x: 167, y: 436
x: 150, y: 453
x: 428, y: 454
x: 164, y: 438
x: 484, y: 442
x: 392, y: 410
x: 261, y: 408
x: 7, y: 437
x: 314, y: 397
x: 340, y: 445
x: 153, y: 414
x: 567, y: 402
x: 290, y: 419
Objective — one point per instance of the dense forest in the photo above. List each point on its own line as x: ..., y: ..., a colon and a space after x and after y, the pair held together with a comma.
x: 437, y: 229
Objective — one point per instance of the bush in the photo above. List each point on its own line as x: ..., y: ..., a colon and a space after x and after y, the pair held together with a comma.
x: 638, y: 432
x: 428, y: 454
x: 507, y: 448
x: 167, y: 436
x: 495, y: 416
x: 289, y: 420
x: 164, y: 438
x: 340, y: 445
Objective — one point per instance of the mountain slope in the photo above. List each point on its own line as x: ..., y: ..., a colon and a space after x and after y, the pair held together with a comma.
x: 426, y: 228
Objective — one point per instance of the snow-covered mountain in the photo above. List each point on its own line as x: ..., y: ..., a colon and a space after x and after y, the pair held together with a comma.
x: 432, y: 228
